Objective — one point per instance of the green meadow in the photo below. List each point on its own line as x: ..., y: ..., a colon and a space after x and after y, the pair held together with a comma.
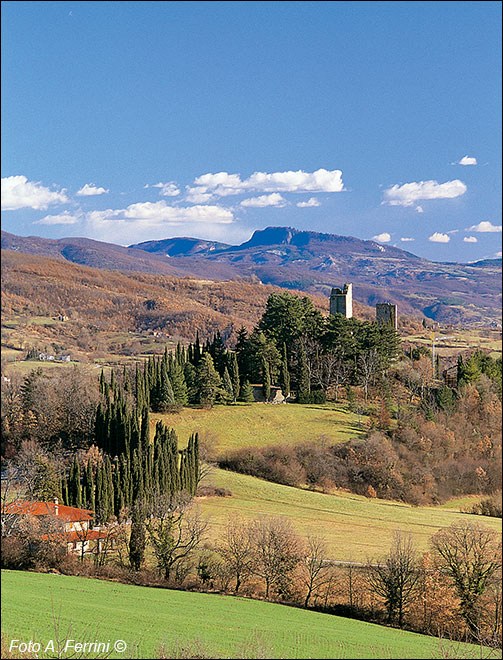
x: 34, y: 605
x: 354, y: 527
x: 258, y: 424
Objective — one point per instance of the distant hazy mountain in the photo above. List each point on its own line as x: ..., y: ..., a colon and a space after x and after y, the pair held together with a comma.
x: 310, y: 261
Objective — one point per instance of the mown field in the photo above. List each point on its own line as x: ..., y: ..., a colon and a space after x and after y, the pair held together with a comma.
x: 354, y: 527
x: 459, y: 340
x: 258, y: 424
x: 89, y: 610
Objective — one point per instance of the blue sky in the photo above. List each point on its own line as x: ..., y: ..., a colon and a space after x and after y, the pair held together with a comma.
x: 130, y: 121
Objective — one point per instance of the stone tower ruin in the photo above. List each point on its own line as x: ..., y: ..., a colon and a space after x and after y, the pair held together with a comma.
x: 386, y: 313
x: 341, y: 301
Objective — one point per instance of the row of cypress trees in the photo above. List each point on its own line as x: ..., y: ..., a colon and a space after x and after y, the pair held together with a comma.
x: 158, y: 468
x: 135, y: 467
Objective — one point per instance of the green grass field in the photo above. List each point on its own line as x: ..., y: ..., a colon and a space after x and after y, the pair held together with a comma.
x: 354, y: 527
x: 92, y: 610
x: 259, y: 424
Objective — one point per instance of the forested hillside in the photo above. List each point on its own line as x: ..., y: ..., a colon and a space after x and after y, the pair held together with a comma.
x: 95, y: 301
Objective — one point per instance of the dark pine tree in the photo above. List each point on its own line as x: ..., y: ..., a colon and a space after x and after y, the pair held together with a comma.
x: 303, y: 385
x: 246, y: 393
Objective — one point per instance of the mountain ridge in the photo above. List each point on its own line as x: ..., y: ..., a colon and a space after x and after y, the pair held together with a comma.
x: 302, y: 260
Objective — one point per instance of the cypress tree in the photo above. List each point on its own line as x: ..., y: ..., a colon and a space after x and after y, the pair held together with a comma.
x: 189, y: 372
x: 109, y: 486
x: 178, y: 354
x: 126, y: 381
x: 172, y: 454
x: 102, y: 382
x: 228, y: 391
x: 137, y: 475
x: 99, y: 425
x: 234, y: 374
x: 75, y: 490
x: 89, y: 493
x: 195, y: 461
x: 284, y: 374
x: 125, y: 482
x: 266, y: 379
x: 137, y: 540
x: 64, y: 492
x: 145, y: 428
x: 118, y: 494
x: 140, y: 399
x: 165, y: 396
x: 100, y: 495
x: 135, y: 432
x: 197, y: 350
x: 303, y: 385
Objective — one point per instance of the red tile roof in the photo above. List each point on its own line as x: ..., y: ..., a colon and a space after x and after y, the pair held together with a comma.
x: 65, y: 513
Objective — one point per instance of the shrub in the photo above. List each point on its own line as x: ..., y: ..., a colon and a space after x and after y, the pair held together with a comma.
x: 491, y: 506
x: 213, y: 491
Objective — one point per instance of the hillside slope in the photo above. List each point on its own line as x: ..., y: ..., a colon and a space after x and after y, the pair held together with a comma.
x: 447, y: 292
x: 354, y: 527
x: 102, y: 300
x: 91, y: 610
x: 308, y: 261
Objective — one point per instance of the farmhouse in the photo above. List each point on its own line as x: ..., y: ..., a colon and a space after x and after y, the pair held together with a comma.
x: 76, y: 523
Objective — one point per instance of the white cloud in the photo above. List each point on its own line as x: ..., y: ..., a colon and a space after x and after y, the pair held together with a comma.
x: 419, y: 209
x: 61, y: 219
x: 497, y: 254
x: 91, y: 189
x: 223, y: 184
x: 19, y: 193
x: 274, y: 199
x: 312, y: 201
x: 406, y: 240
x: 467, y: 160
x: 382, y: 238
x: 156, y: 220
x: 470, y: 239
x: 484, y: 227
x: 169, y: 189
x: 150, y: 214
x: 439, y: 238
x: 410, y: 193
x: 196, y: 196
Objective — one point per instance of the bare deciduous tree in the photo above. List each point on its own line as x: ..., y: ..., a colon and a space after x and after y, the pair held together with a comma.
x: 174, y: 530
x: 317, y: 569
x: 236, y: 549
x: 471, y: 556
x: 277, y: 551
x: 368, y: 366
x: 394, y: 577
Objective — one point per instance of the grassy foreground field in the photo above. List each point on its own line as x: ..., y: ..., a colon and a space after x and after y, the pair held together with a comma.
x: 353, y: 526
x: 93, y: 610
x: 258, y: 424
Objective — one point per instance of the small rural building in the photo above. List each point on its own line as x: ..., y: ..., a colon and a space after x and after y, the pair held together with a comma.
x: 276, y: 394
